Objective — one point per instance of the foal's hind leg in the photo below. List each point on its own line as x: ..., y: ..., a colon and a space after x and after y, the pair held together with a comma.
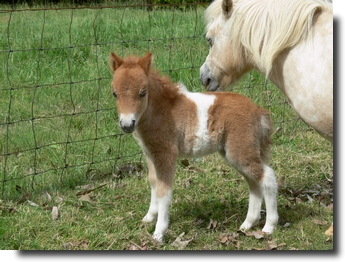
x: 255, y: 202
x: 261, y: 186
x: 266, y: 188
x: 269, y: 188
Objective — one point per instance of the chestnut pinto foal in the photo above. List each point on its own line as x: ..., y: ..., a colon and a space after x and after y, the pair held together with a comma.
x: 170, y: 122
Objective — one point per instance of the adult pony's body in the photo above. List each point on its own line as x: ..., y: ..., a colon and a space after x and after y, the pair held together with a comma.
x: 291, y: 42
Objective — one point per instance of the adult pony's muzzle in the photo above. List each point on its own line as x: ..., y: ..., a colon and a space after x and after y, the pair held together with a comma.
x: 207, y: 80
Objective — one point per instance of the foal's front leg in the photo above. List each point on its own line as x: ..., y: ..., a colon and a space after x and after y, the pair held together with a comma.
x: 165, y: 169
x: 153, y: 209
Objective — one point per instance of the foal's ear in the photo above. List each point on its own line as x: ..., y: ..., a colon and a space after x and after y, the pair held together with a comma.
x: 146, y: 61
x: 227, y: 8
x: 115, y: 61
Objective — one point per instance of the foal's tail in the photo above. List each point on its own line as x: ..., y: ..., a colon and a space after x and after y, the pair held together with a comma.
x: 265, y: 135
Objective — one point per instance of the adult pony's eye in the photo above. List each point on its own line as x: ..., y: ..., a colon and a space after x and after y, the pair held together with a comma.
x: 142, y: 93
x: 209, y: 41
x: 114, y: 94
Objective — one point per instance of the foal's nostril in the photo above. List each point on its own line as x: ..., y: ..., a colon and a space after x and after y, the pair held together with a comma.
x: 127, y: 127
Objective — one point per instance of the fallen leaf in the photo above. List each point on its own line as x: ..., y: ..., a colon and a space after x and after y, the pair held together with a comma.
x: 212, y: 224
x: 271, y: 246
x: 256, y: 234
x: 55, y: 213
x: 49, y: 199
x: 223, y: 239
x: 282, y: 244
x: 134, y: 246
x: 318, y: 222
x: 329, y: 231
x: 86, y: 198
x: 310, y: 198
x: 79, y: 244
x: 87, y: 191
x: 32, y: 203
x: 179, y: 243
x: 187, y: 183
x: 230, y: 238
x: 66, y: 246
x: 117, y: 197
x: 298, y: 200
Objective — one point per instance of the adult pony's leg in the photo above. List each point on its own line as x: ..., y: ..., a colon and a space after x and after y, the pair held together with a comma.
x: 165, y: 169
x: 153, y: 209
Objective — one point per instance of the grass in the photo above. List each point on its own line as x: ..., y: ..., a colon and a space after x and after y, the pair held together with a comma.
x: 60, y: 137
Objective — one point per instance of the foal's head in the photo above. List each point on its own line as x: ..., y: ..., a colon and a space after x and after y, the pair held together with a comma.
x: 129, y: 85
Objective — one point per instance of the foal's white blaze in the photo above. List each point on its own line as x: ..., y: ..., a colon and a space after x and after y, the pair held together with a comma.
x: 202, y: 144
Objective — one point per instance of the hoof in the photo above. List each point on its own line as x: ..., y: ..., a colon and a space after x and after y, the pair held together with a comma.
x: 158, y: 237
x: 148, y: 218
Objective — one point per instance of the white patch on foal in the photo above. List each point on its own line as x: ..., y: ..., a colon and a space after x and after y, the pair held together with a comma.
x: 202, y: 144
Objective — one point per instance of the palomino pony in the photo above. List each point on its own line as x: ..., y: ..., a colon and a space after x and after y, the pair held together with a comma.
x: 170, y: 122
x: 290, y: 42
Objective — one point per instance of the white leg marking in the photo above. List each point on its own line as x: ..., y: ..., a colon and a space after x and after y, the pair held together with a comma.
x: 270, y: 188
x: 153, y: 209
x: 202, y: 144
x: 255, y: 201
x: 163, y: 217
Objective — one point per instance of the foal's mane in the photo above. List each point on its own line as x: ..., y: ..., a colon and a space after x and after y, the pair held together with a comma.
x: 159, y: 85
x: 263, y: 28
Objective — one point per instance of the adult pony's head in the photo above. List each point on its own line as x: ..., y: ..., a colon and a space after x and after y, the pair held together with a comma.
x: 130, y: 88
x: 248, y: 34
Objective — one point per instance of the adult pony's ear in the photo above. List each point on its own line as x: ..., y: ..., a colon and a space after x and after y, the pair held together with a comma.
x: 227, y: 8
x: 146, y: 61
x: 115, y: 61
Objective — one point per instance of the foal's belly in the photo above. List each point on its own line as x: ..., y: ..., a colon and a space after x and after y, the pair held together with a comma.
x: 200, y: 146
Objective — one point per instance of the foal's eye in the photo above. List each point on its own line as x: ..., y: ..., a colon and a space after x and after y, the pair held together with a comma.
x: 142, y: 93
x: 114, y: 94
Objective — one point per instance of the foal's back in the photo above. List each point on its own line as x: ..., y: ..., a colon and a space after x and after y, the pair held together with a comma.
x: 210, y: 122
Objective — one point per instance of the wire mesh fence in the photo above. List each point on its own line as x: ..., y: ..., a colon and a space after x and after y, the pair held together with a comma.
x: 58, y: 118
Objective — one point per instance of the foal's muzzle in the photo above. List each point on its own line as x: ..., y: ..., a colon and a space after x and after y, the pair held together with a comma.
x: 127, y: 123
x: 128, y: 128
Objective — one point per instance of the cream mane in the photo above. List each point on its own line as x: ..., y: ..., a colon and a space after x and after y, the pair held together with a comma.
x: 263, y: 28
